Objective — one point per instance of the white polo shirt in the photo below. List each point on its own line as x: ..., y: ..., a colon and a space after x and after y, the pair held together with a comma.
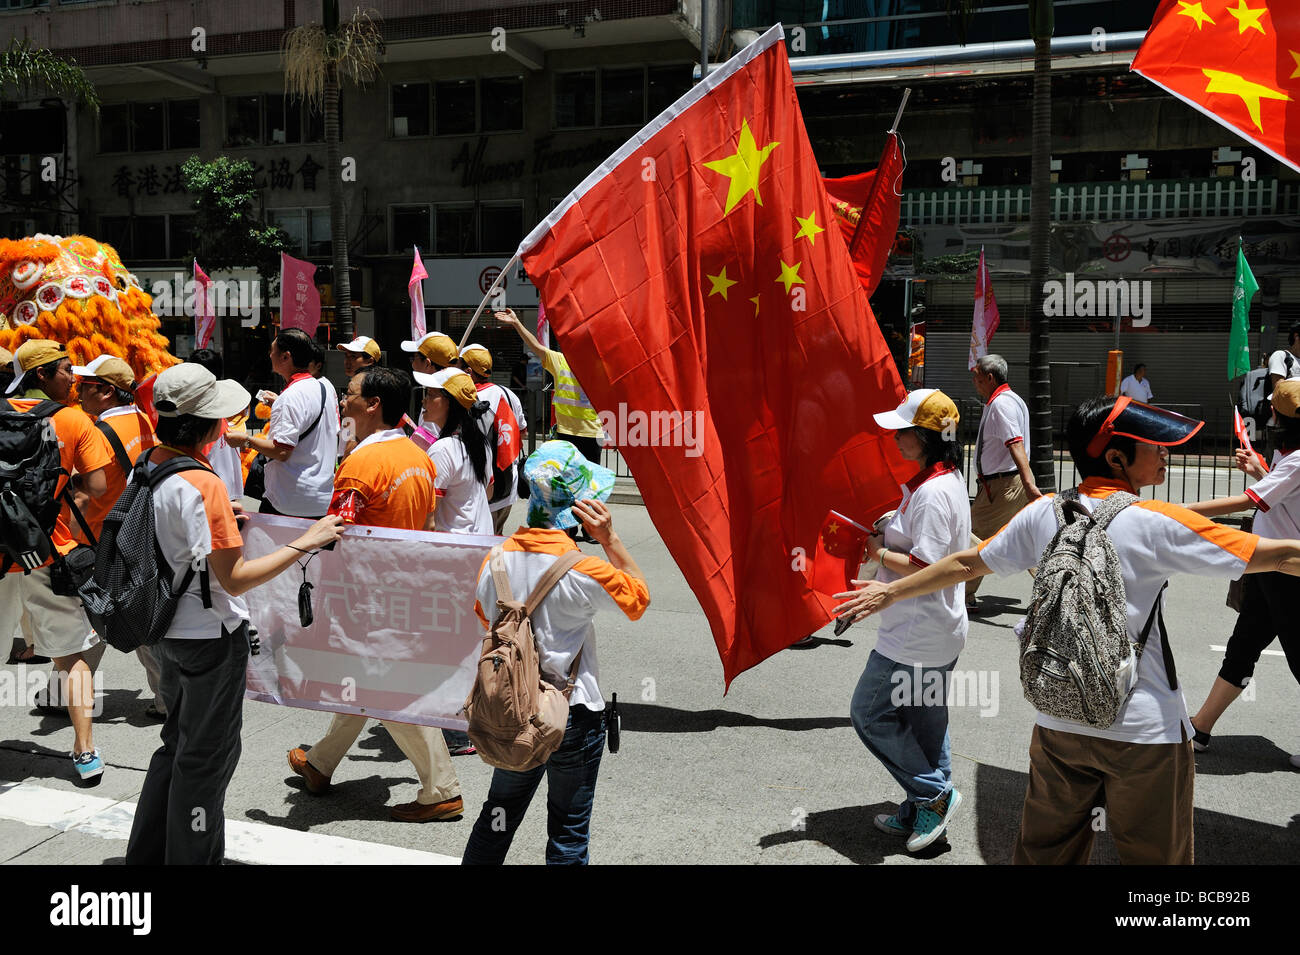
x: 462, y: 506
x: 1153, y: 539
x: 303, y: 485
x: 1003, y: 422
x: 1283, y: 363
x: 932, y: 521
x: 1277, y: 495
x: 1137, y: 390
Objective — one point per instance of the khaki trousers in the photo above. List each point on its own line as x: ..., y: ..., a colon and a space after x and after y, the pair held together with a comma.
x: 1144, y: 788
x: 988, y: 515
x: 422, y: 745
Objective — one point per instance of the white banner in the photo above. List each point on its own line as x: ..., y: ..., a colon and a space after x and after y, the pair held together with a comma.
x: 395, y: 635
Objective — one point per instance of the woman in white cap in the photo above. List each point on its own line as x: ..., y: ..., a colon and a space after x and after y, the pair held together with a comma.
x: 900, y: 705
x: 204, y: 652
x: 460, y: 454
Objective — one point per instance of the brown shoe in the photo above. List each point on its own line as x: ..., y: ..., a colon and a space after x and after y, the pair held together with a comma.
x: 317, y: 782
x: 429, y: 812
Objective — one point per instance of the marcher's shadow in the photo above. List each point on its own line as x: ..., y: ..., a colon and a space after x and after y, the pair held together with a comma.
x: 851, y: 832
x: 364, y: 799
x: 380, y: 744
x: 648, y: 718
x: 117, y: 706
x: 1239, y: 755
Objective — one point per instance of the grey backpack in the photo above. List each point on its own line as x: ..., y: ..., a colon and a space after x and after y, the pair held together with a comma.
x: 1076, y: 659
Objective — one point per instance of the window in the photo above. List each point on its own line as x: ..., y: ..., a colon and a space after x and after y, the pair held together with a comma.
x: 455, y: 106
x: 243, y: 120
x: 180, y: 235
x: 283, y: 120
x: 454, y: 230
x: 502, y: 228
x: 149, y: 238
x: 293, y: 222
x: 665, y: 85
x: 502, y: 100
x: 575, y: 99
x: 410, y: 228
x: 273, y: 119
x: 318, y: 232
x: 622, y: 97
x: 149, y: 127
x: 308, y: 229
x: 410, y: 109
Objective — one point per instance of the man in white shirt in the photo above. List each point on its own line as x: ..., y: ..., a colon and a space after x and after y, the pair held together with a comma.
x: 302, y: 443
x: 1140, y: 767
x: 1136, y: 385
x: 1284, y: 364
x: 1005, y: 484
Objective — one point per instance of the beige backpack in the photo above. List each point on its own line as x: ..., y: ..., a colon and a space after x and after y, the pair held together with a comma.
x: 516, y: 718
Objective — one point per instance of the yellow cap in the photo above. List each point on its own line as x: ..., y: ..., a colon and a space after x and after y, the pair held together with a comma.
x: 478, y: 358
x: 924, y: 408
x: 436, y: 347
x: 1286, y: 398
x: 33, y: 354
x: 110, y: 369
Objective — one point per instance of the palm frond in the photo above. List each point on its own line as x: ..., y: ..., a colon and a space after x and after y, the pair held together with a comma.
x: 310, y: 52
x: 24, y: 70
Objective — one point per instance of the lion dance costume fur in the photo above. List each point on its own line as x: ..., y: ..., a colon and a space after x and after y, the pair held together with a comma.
x: 75, y: 290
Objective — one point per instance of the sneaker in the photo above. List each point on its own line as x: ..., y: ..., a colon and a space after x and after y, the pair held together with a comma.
x: 1200, y: 740
x: 89, y: 765
x: 932, y: 821
x: 1295, y: 761
x: 889, y: 823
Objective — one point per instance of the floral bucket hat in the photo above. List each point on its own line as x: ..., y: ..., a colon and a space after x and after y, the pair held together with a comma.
x: 558, y: 475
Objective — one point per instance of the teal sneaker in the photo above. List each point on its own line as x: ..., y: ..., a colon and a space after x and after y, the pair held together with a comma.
x: 889, y: 823
x: 932, y: 821
x: 90, y: 768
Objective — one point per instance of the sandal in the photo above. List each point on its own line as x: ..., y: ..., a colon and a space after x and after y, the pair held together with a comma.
x: 26, y: 655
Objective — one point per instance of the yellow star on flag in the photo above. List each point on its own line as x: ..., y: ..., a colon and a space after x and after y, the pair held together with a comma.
x: 743, y: 167
x: 1250, y: 93
x: 1194, y: 11
x: 832, y: 527
x: 720, y: 284
x: 1295, y: 56
x: 755, y: 301
x: 808, y: 228
x: 790, y: 275
x: 1248, y: 17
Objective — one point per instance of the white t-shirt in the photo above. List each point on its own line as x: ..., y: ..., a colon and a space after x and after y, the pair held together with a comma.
x: 192, y: 517
x: 1278, y: 364
x: 1137, y: 390
x: 462, y: 501
x: 1153, y: 539
x: 1277, y: 495
x: 932, y: 521
x: 226, y: 462
x: 494, y: 394
x: 1003, y: 422
x: 303, y: 485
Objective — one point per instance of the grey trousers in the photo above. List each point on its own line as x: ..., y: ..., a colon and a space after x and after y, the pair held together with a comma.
x: 180, y: 819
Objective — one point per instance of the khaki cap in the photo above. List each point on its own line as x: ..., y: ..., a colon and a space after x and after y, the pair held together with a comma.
x: 33, y: 354
x: 436, y: 347
x: 478, y: 358
x: 108, y: 368
x: 191, y: 389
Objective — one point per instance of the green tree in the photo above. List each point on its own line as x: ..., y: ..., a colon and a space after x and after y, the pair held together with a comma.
x: 25, y: 71
x: 317, y: 58
x: 1041, y: 27
x: 228, y: 232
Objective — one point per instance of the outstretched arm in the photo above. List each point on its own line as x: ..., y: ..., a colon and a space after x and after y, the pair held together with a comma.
x: 508, y: 317
x: 874, y: 596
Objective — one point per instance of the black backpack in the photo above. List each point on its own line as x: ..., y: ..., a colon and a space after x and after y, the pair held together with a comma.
x: 130, y: 599
x: 30, y: 469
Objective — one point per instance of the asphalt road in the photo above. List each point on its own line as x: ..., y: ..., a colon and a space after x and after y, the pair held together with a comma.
x: 771, y: 773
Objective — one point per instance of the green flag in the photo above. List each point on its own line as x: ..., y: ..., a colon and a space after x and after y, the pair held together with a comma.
x: 1243, y: 290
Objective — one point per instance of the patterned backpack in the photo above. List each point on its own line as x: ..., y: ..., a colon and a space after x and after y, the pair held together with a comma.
x: 1076, y: 660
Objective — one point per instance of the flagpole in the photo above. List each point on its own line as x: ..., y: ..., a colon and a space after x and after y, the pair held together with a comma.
x: 907, y: 93
x: 490, y: 292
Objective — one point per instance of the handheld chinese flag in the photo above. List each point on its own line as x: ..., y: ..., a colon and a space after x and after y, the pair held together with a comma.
x: 1239, y: 63
x: 415, y: 288
x: 299, y: 297
x: 841, y: 545
x: 1244, y: 288
x: 986, y: 318
x: 692, y: 278
x: 1243, y: 437
x: 866, y: 206
x: 205, y: 315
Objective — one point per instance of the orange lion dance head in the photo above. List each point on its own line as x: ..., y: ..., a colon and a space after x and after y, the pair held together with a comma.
x: 75, y: 290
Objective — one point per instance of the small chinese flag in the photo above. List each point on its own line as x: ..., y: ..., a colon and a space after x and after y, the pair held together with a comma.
x: 840, y: 548
x: 866, y: 206
x: 1238, y: 62
x: 1243, y: 436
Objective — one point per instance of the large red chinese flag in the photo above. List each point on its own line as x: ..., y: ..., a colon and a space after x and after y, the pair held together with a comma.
x: 693, y: 277
x: 866, y: 206
x: 1238, y: 62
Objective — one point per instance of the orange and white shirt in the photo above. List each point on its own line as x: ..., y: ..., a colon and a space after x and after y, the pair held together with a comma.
x: 82, y: 449
x: 192, y: 518
x: 136, y: 434
x: 394, y: 479
x: 1153, y: 539
x: 562, y: 623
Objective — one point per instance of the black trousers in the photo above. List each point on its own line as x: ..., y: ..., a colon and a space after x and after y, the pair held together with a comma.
x: 1268, y: 611
x: 180, y: 819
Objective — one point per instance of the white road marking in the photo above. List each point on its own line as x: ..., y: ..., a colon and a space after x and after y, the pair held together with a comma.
x: 1271, y: 653
x: 250, y: 842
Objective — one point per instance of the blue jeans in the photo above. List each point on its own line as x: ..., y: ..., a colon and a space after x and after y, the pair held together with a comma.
x: 571, y: 790
x: 911, y: 739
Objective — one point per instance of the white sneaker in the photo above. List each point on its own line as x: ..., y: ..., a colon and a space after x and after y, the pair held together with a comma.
x: 1295, y: 760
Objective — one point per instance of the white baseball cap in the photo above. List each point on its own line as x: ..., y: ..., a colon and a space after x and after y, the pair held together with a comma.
x: 362, y: 345
x: 191, y: 389
x: 435, y: 346
x: 110, y: 369
x: 924, y: 408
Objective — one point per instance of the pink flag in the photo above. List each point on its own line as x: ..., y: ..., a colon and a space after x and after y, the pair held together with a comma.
x: 543, y: 326
x: 986, y: 314
x: 299, y: 298
x: 415, y: 287
x: 205, y: 314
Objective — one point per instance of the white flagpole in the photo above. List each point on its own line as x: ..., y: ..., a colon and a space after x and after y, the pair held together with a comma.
x: 483, y: 304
